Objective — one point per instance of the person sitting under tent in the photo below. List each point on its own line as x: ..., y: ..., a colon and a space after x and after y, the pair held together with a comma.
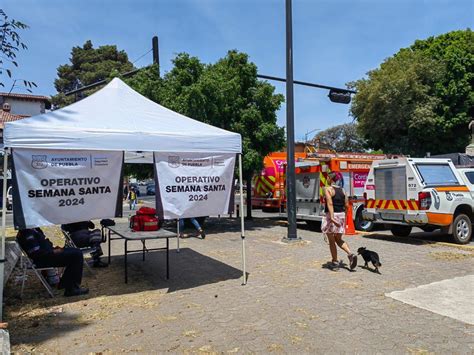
x: 195, y: 224
x: 41, y: 251
x: 84, y: 235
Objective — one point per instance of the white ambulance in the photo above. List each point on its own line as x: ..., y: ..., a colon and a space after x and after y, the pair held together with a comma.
x: 420, y: 192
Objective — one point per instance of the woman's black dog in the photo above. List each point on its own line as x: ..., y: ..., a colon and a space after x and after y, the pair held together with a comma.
x: 371, y: 256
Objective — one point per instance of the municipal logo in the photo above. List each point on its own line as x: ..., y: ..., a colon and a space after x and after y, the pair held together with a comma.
x: 174, y: 161
x: 39, y: 161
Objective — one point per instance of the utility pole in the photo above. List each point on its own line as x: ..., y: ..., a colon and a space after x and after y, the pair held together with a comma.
x: 290, y: 130
x: 156, y: 60
x: 156, y: 53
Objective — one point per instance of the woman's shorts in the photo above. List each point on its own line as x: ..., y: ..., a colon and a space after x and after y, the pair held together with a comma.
x: 328, y: 226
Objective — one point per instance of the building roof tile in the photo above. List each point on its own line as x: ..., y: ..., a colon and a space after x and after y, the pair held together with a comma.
x: 9, y: 117
x: 26, y: 96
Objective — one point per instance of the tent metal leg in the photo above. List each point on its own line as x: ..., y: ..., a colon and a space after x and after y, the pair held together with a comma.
x: 4, y: 228
x: 178, y: 232
x: 242, y: 227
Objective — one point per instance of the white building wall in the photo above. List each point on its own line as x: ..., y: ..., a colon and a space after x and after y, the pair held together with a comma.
x: 22, y: 107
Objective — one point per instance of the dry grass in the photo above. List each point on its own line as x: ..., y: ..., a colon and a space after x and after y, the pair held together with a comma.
x: 451, y: 256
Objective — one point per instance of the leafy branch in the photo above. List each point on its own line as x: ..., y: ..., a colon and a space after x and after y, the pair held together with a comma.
x: 10, y: 45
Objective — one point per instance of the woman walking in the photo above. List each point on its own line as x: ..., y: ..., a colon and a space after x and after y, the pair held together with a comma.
x: 334, y: 222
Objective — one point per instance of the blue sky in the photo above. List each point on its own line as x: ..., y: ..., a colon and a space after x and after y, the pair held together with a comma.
x: 335, y: 41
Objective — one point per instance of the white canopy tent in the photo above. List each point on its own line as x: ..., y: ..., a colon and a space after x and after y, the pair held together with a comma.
x: 117, y: 118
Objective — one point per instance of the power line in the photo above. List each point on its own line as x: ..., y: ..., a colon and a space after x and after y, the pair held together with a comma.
x: 136, y: 60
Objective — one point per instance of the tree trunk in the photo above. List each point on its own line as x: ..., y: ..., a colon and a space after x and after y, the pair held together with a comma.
x: 249, y: 196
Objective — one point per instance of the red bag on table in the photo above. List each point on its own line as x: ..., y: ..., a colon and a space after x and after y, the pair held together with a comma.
x: 145, y: 220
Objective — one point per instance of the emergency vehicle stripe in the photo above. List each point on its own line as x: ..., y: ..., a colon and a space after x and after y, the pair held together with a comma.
x: 452, y: 188
x: 261, y: 188
x: 265, y: 180
x: 393, y: 204
x: 442, y: 219
x: 323, y: 176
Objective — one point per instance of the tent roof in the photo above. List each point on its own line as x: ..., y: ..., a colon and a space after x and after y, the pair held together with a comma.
x: 118, y: 118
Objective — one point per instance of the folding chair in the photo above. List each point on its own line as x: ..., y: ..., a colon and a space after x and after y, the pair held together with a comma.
x: 27, y: 264
x: 70, y: 243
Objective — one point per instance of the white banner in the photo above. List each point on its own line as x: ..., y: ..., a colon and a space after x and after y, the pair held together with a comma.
x: 193, y: 184
x: 61, y: 186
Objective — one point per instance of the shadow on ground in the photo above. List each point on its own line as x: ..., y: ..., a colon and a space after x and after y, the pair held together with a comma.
x: 36, y: 317
x: 188, y: 269
x: 216, y: 225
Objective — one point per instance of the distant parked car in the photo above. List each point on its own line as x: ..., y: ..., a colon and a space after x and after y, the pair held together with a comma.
x: 150, y: 189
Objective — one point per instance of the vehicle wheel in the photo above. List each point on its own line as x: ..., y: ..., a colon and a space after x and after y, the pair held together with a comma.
x: 400, y: 231
x: 361, y: 224
x: 462, y: 229
x: 314, y: 225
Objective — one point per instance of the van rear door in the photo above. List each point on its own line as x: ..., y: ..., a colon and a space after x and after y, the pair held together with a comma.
x: 390, y: 183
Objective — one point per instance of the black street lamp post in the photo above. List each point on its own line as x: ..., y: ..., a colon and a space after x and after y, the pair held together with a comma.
x: 290, y: 130
x: 335, y: 95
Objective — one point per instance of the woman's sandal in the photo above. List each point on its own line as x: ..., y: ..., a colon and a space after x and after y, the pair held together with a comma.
x: 352, y: 261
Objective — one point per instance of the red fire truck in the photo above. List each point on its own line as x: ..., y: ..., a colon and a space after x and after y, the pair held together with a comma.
x: 311, y: 177
x: 268, y: 187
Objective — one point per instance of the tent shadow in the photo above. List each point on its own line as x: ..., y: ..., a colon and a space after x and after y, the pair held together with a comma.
x: 216, y: 225
x: 188, y: 269
x: 36, y: 317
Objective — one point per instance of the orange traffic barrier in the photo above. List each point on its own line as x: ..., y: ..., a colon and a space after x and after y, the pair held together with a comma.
x: 350, y: 229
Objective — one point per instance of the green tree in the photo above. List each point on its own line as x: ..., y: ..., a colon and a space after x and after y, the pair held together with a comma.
x: 226, y: 94
x: 341, y: 138
x: 421, y: 99
x: 88, y: 65
x: 10, y: 45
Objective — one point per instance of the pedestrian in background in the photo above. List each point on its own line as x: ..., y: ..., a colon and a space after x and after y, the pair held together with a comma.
x: 125, y: 192
x: 195, y: 224
x: 334, y: 222
x: 132, y: 198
